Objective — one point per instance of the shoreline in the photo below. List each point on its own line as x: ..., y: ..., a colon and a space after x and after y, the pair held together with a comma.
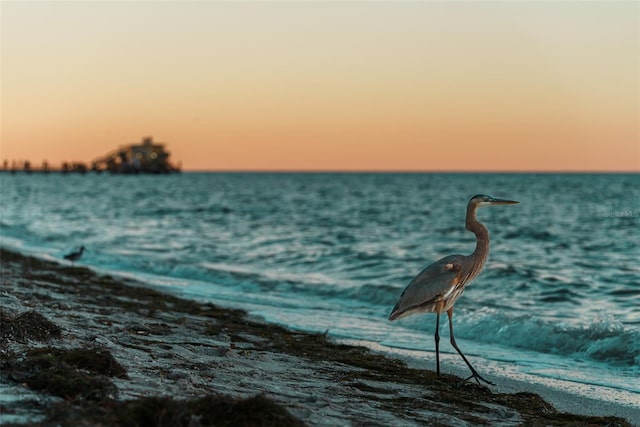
x: 179, y: 348
x: 563, y: 400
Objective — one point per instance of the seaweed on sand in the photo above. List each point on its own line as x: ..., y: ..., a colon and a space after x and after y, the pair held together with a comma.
x: 209, y: 410
x: 30, y: 325
x: 95, y: 360
x: 78, y: 374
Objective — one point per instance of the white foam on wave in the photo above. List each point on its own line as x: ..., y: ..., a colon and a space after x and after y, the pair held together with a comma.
x: 603, y: 339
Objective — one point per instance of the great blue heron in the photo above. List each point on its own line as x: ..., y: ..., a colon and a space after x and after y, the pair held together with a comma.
x: 439, y: 285
x: 74, y: 256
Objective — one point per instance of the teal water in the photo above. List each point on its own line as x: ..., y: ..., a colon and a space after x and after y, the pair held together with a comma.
x: 558, y: 300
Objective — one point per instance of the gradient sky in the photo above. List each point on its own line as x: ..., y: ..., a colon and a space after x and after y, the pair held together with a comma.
x: 426, y: 86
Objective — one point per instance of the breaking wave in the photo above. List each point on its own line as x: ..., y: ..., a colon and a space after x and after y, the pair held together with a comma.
x: 604, y: 339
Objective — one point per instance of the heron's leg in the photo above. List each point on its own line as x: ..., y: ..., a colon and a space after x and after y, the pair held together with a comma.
x: 437, y: 337
x: 474, y: 373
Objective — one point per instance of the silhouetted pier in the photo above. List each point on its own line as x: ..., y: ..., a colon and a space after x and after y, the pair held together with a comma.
x: 146, y: 157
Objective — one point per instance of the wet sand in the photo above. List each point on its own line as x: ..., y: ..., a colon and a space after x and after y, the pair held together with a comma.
x: 79, y: 348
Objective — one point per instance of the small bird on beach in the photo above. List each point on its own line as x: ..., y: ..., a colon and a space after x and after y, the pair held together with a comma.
x: 74, y: 256
x: 439, y: 285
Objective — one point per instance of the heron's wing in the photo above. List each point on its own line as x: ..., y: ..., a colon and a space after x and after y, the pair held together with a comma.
x: 431, y: 283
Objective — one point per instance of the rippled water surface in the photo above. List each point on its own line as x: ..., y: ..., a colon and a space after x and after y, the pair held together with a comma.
x: 560, y: 293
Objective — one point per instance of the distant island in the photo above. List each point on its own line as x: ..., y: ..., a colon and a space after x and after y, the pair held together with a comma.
x: 145, y: 157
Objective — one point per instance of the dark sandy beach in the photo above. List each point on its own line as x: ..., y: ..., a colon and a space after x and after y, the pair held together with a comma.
x: 79, y: 348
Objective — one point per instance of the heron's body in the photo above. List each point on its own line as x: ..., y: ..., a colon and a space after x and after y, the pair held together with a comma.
x: 436, y: 288
x: 446, y: 285
x: 74, y: 256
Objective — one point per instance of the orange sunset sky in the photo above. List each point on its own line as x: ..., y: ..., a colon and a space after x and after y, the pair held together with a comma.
x: 420, y: 86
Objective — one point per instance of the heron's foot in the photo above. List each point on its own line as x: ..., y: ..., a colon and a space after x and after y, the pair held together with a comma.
x: 476, y: 376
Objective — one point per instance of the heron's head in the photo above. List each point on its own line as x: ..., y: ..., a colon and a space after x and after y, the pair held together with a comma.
x: 480, y: 200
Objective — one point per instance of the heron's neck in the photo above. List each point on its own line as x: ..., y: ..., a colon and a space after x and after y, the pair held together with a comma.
x: 482, y: 235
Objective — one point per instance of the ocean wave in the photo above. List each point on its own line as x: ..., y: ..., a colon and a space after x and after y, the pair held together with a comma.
x: 381, y: 295
x: 559, y: 295
x: 531, y: 234
x: 161, y: 211
x: 605, y: 339
x: 300, y: 285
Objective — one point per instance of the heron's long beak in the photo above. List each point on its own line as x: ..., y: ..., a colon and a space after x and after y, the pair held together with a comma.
x: 502, y: 202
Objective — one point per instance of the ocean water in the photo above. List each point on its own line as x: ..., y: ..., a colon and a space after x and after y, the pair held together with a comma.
x: 558, y: 302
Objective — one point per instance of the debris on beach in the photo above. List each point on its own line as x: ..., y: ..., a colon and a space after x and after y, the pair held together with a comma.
x: 131, y: 355
x: 30, y: 325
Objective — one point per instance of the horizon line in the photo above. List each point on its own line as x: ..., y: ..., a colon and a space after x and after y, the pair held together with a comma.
x: 411, y: 171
